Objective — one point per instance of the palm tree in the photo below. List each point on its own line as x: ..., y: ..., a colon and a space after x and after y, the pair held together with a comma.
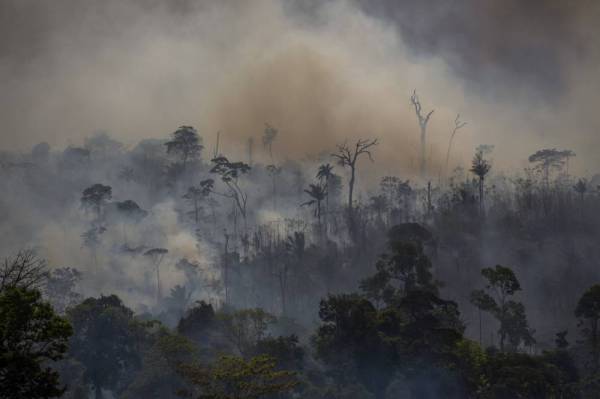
x: 318, y: 193
x: 480, y: 167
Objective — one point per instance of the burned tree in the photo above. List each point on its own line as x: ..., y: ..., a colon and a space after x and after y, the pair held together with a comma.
x: 317, y: 194
x: 457, y: 126
x: 423, y: 121
x: 348, y: 156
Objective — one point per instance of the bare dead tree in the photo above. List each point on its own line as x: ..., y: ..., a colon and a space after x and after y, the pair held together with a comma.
x: 423, y: 121
x: 348, y: 156
x: 457, y: 126
x: 24, y: 270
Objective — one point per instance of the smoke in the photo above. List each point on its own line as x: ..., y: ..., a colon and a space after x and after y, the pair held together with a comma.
x: 320, y: 72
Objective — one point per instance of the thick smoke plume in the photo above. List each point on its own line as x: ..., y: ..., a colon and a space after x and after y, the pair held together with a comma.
x: 321, y: 72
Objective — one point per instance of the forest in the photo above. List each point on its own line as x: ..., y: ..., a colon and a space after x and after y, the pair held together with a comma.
x: 299, y: 199
x: 203, y: 276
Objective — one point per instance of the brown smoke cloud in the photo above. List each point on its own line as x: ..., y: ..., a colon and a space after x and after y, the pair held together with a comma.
x: 140, y: 69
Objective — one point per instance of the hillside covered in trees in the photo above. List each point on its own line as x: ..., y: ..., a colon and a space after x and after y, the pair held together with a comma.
x: 341, y: 199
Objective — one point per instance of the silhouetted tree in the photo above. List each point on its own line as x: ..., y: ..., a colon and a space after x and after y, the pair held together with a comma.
x: 457, y: 126
x: 348, y: 157
x: 317, y: 194
x: 423, y: 121
x: 480, y: 167
x: 503, y: 284
x: 32, y: 337
x: 186, y: 144
x: 269, y: 136
x: 547, y: 160
x: 96, y: 197
x: 23, y: 270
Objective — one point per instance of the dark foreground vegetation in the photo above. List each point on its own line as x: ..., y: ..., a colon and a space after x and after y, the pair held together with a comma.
x: 300, y: 282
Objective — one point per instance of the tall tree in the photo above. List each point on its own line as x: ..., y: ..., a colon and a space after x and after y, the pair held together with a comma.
x: 32, y: 336
x: 348, y: 157
x: 195, y: 196
x: 269, y: 136
x: 480, y: 167
x: 317, y: 194
x: 96, y: 197
x: 230, y: 173
x: 186, y: 144
x: 423, y: 121
x: 547, y: 160
x: 503, y: 285
x: 457, y: 126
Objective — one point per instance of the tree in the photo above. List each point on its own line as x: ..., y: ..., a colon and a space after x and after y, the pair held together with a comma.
x: 503, y: 284
x: 588, y: 313
x: 581, y: 187
x: 106, y: 340
x: 195, y: 196
x: 186, y: 144
x: 244, y: 328
x: 233, y: 377
x: 349, y: 343
x: 24, y: 270
x: 480, y: 167
x: 59, y: 288
x: 230, y: 172
x: 274, y: 171
x: 317, y: 194
x: 91, y: 240
x: 550, y: 159
x: 95, y: 197
x: 457, y: 126
x: 269, y: 136
x: 325, y: 176
x: 156, y: 256
x: 31, y: 336
x: 423, y: 121
x: 348, y: 157
x: 404, y: 269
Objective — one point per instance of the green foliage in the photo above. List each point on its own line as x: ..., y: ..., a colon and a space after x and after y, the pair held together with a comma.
x: 232, y: 377
x: 158, y: 376
x: 244, y: 328
x: 107, y: 340
x: 588, y: 313
x: 503, y: 284
x: 31, y: 337
x: 517, y: 375
x: 405, y: 269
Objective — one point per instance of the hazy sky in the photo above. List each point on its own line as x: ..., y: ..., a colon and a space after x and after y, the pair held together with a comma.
x: 523, y: 74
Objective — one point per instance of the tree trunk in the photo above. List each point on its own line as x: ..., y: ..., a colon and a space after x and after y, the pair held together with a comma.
x: 481, y: 207
x: 423, y: 167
